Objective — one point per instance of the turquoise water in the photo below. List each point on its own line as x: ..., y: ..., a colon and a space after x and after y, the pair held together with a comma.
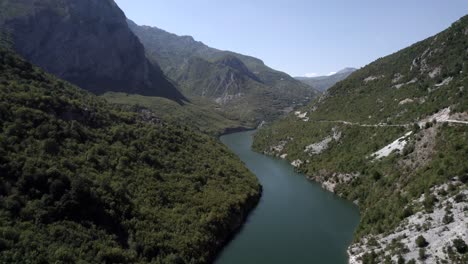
x: 296, y: 220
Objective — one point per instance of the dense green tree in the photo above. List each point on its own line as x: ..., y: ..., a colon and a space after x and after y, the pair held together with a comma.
x: 421, y: 242
x: 460, y: 245
x: 422, y: 254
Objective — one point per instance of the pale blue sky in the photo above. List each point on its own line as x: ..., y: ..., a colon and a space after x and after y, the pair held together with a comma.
x: 301, y: 36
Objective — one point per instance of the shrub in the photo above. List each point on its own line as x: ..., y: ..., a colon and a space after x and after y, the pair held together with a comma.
x: 460, y: 245
x: 376, y: 175
x: 50, y: 146
x: 370, y: 258
x: 448, y: 218
x: 421, y: 242
x: 422, y: 254
x: 429, y: 202
x: 464, y: 178
x: 460, y: 198
x: 407, y: 212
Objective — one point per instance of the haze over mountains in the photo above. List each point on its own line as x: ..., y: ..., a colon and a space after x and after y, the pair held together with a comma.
x: 322, y: 83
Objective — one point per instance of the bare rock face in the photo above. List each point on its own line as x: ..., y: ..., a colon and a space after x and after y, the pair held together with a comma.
x: 225, y: 80
x: 86, y: 42
x: 235, y: 63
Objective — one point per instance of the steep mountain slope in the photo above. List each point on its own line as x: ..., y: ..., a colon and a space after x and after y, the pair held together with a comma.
x: 85, y: 182
x: 85, y: 42
x: 243, y: 86
x: 393, y: 138
x: 323, y: 83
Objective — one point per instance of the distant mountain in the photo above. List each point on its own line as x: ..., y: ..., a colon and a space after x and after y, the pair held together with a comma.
x: 243, y: 86
x: 322, y: 83
x: 347, y: 70
x: 86, y: 42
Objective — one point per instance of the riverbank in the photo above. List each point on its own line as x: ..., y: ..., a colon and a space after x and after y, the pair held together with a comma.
x: 296, y: 221
x: 233, y: 130
x: 235, y: 225
x: 238, y: 220
x: 392, y: 191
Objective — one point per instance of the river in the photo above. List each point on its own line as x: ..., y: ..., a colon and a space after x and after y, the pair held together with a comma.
x: 296, y: 221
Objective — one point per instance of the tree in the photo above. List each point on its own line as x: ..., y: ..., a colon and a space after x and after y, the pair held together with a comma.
x: 51, y: 146
x: 401, y: 259
x: 448, y: 218
x: 376, y: 175
x: 422, y: 254
x: 429, y: 202
x: 421, y: 242
x: 460, y: 245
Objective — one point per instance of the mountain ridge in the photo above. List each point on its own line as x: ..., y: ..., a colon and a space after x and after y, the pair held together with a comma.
x: 87, y: 43
x: 323, y: 83
x: 243, y: 86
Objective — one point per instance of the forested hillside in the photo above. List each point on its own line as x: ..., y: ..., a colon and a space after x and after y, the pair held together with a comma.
x: 393, y: 138
x: 85, y: 182
x: 198, y: 114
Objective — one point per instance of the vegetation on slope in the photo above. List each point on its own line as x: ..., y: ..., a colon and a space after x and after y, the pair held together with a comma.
x: 85, y: 182
x: 400, y: 89
x: 198, y: 114
x: 429, y: 75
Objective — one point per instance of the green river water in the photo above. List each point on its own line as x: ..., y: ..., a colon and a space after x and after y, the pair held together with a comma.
x: 296, y: 221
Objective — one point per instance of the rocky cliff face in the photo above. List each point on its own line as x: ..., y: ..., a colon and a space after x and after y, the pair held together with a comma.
x: 86, y: 42
x: 226, y: 81
x: 235, y: 63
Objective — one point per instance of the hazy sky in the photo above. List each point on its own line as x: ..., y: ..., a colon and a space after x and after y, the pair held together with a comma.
x: 301, y: 36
